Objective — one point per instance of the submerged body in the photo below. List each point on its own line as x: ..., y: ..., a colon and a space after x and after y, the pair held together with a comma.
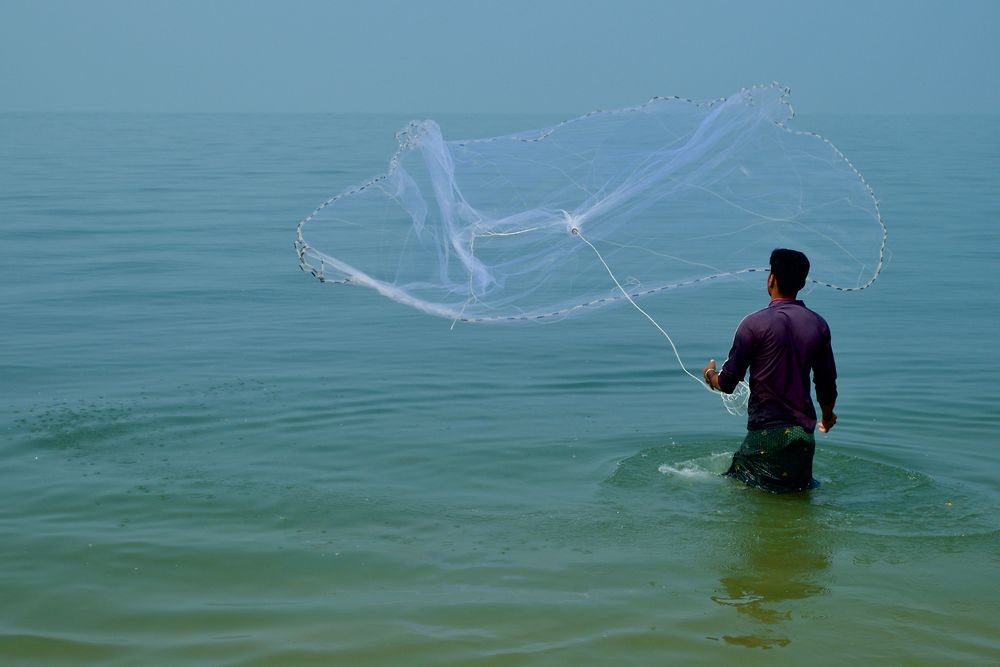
x: 781, y: 346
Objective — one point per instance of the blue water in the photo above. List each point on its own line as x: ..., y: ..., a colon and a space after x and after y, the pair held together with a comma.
x: 211, y: 458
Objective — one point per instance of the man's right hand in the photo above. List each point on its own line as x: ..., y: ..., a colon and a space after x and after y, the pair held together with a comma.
x: 829, y: 419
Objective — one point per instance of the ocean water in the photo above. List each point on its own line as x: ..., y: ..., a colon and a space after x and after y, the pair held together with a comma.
x: 209, y: 458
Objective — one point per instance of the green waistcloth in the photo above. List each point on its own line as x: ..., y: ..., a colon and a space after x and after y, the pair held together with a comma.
x: 776, y: 459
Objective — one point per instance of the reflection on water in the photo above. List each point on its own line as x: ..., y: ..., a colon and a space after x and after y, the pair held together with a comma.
x: 777, y: 553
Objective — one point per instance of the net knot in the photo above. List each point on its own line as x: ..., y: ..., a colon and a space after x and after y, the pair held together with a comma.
x: 574, y: 229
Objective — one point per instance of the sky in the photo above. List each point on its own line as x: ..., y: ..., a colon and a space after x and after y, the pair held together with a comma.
x: 837, y: 56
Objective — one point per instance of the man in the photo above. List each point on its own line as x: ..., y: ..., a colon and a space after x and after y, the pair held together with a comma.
x: 780, y: 345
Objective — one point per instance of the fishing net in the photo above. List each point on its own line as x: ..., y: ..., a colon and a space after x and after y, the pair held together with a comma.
x: 610, y: 206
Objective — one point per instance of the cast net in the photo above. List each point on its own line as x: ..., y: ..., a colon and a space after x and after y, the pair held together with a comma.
x: 611, y: 206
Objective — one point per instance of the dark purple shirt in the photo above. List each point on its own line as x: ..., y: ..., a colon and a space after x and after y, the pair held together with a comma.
x: 780, y: 345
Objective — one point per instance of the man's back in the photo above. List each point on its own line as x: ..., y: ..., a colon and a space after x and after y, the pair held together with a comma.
x: 781, y: 344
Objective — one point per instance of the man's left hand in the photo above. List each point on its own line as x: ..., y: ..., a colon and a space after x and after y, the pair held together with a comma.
x: 710, y: 374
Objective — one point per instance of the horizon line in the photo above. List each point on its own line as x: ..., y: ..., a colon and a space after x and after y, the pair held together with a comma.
x: 382, y: 112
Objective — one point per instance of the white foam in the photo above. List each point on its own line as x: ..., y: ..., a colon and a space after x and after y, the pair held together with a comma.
x: 704, y: 467
x: 688, y: 469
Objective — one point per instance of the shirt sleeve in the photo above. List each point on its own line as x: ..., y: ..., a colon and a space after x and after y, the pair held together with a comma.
x: 825, y: 372
x: 736, y: 365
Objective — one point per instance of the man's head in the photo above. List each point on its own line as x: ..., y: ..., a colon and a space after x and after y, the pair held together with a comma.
x: 789, y: 269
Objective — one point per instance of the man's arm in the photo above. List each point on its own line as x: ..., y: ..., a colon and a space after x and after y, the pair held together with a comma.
x: 735, y: 367
x: 825, y: 379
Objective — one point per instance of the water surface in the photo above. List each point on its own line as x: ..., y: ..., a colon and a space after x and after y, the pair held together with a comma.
x: 211, y: 458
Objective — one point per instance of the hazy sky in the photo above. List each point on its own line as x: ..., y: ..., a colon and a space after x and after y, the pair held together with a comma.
x: 504, y: 55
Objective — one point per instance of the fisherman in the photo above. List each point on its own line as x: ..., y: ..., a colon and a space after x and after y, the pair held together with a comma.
x: 780, y: 345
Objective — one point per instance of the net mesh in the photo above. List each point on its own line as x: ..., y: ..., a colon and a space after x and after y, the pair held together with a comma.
x: 673, y: 193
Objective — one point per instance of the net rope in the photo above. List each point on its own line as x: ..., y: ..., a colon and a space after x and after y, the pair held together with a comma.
x: 735, y: 403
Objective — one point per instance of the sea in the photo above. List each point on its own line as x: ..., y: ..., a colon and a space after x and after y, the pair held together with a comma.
x: 210, y: 458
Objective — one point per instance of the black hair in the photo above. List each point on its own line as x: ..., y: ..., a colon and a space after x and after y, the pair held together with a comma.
x: 790, y: 268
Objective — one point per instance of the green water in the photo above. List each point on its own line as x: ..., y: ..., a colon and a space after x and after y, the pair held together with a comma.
x: 211, y: 459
